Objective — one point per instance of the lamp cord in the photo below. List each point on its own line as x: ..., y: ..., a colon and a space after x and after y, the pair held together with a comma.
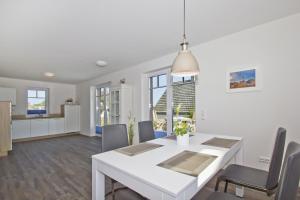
x: 184, y: 35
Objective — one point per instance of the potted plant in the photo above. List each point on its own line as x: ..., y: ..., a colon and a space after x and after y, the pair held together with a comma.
x: 131, y: 122
x: 182, y: 133
x: 181, y: 129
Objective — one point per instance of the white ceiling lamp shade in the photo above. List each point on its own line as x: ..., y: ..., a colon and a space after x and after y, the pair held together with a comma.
x: 185, y: 64
x: 101, y: 63
x: 49, y: 74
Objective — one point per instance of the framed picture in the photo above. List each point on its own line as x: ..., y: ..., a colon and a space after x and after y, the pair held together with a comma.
x: 243, y: 80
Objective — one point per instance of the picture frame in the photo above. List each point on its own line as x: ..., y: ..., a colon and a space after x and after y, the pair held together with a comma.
x: 247, y: 79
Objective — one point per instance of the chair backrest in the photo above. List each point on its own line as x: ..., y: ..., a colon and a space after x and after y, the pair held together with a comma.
x: 290, y: 174
x: 276, y: 160
x: 146, y: 131
x: 114, y: 137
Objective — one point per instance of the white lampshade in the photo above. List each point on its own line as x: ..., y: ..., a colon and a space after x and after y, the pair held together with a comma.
x: 185, y: 64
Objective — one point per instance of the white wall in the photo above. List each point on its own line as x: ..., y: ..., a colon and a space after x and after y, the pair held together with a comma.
x: 58, y: 92
x: 274, y: 47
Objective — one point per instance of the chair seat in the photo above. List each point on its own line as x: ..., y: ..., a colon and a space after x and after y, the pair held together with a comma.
x: 222, y: 196
x: 246, y: 176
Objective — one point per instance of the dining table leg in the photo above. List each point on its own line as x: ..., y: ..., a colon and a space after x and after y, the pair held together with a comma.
x: 239, y: 159
x: 98, y: 183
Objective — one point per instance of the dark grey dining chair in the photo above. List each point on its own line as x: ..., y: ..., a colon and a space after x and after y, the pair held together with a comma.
x: 289, y: 177
x: 290, y: 174
x: 265, y: 181
x: 114, y: 137
x: 146, y: 131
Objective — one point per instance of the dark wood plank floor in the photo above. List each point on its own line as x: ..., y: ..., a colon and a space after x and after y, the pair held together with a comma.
x: 60, y: 169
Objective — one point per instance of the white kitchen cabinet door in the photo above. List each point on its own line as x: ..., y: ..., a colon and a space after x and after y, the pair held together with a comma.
x: 20, y: 129
x: 72, y: 118
x: 39, y: 127
x: 77, y: 119
x: 8, y: 94
x: 56, y: 126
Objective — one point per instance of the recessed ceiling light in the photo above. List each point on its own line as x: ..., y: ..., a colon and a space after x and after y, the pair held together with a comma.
x: 101, y: 63
x: 49, y: 74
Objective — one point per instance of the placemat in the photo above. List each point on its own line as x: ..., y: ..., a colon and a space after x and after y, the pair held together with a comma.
x: 220, y: 142
x: 188, y: 162
x: 173, y: 137
x: 138, y: 149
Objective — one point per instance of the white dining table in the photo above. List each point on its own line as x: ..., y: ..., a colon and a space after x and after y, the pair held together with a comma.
x: 141, y: 173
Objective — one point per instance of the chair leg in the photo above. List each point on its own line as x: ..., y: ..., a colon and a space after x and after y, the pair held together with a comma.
x: 112, y: 189
x: 217, y: 184
x: 226, y: 186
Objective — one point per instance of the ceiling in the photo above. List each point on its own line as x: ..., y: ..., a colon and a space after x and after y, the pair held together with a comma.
x: 67, y: 37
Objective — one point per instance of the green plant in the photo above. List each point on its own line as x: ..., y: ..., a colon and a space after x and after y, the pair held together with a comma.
x: 177, y: 110
x: 131, y: 122
x: 181, y: 128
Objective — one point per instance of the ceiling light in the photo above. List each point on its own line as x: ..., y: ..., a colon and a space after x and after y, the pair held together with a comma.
x: 185, y: 64
x: 101, y: 63
x: 49, y: 74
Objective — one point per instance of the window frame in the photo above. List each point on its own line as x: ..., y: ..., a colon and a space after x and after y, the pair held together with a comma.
x: 169, y: 84
x: 108, y: 86
x: 106, y: 98
x: 46, y: 99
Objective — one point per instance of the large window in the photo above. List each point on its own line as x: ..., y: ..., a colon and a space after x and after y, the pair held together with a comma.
x: 37, y: 101
x: 172, y: 99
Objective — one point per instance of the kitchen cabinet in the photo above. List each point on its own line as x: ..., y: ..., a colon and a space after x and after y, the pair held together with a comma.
x: 8, y: 94
x: 5, y: 128
x: 39, y: 127
x: 56, y: 126
x: 28, y: 127
x: 72, y: 118
x: 20, y: 129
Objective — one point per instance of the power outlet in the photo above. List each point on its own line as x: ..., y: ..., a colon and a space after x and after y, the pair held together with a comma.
x: 264, y: 159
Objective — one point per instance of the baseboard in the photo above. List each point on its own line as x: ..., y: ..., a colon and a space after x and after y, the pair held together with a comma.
x: 86, y: 134
x: 44, y: 137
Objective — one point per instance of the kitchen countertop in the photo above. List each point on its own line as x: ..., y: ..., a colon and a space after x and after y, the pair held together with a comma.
x: 24, y: 117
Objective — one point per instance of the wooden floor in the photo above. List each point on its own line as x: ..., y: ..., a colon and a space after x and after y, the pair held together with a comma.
x: 60, y: 169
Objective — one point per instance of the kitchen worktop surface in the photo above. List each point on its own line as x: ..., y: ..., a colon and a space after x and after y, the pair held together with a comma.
x: 24, y: 117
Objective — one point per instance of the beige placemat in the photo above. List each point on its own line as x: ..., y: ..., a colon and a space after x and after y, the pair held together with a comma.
x: 138, y: 149
x: 188, y: 162
x: 173, y: 137
x: 220, y: 142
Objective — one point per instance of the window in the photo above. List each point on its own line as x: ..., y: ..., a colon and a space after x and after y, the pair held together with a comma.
x: 183, y: 101
x: 172, y: 99
x: 37, y: 101
x: 102, y: 107
x: 158, y: 106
